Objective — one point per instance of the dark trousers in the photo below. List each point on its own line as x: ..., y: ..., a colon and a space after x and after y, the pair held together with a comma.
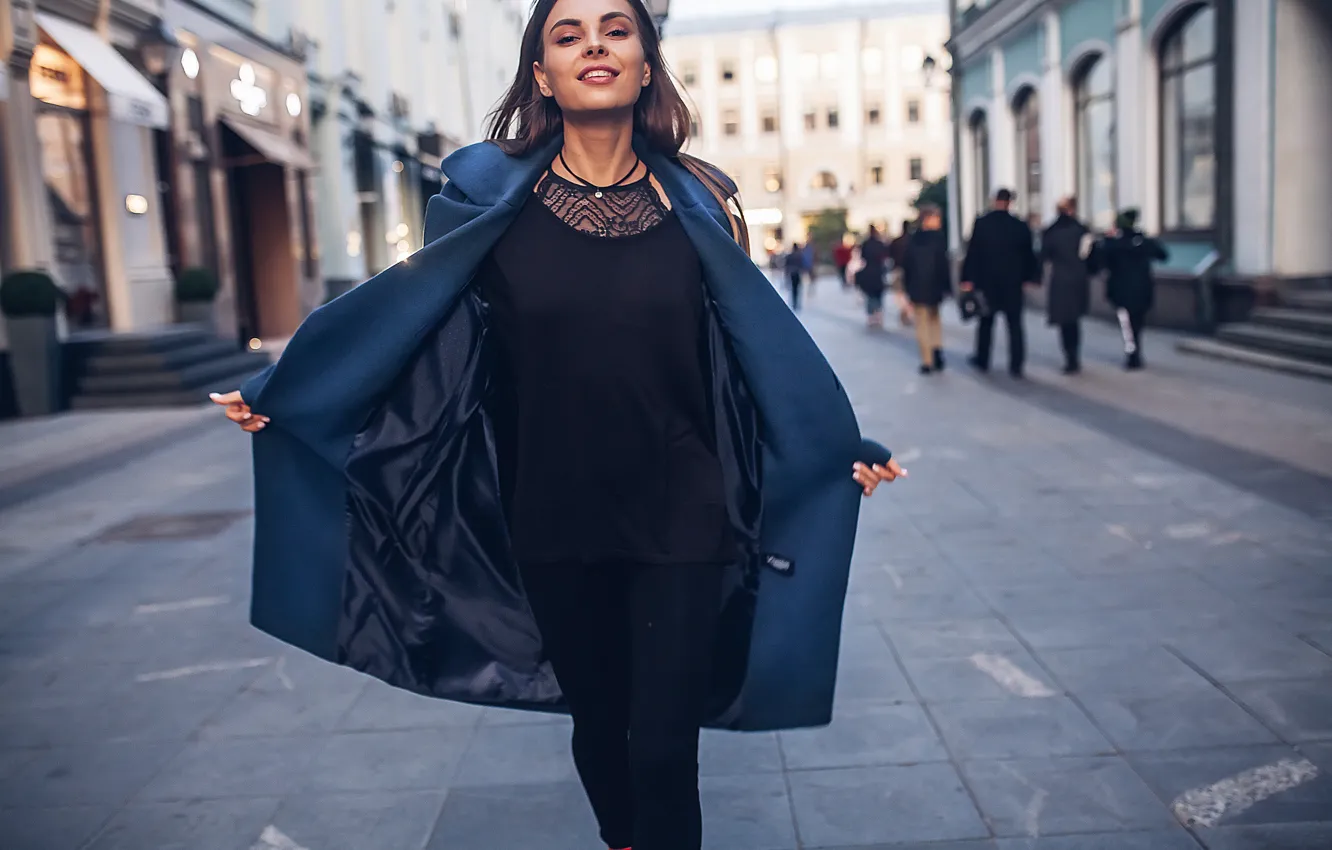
x: 795, y: 279
x: 1070, y: 338
x: 1017, y: 341
x: 631, y: 646
x: 1137, y: 320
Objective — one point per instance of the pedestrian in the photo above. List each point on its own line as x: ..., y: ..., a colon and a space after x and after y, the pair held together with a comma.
x: 575, y: 454
x: 795, y: 274
x: 927, y: 281
x: 897, y: 253
x: 842, y: 259
x: 1000, y: 261
x: 807, y: 263
x: 1067, y: 253
x: 870, y: 278
x: 1130, y: 286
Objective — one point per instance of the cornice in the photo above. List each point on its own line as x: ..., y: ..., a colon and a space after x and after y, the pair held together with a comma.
x: 993, y: 25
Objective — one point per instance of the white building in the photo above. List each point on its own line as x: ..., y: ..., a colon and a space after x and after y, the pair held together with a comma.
x: 830, y: 108
x: 395, y: 85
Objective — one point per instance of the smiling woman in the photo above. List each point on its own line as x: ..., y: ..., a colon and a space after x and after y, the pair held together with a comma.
x: 568, y: 455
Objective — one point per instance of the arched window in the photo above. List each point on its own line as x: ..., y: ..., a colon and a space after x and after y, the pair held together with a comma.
x: 1094, y: 99
x: 824, y: 180
x: 1027, y: 120
x: 980, y: 160
x: 1188, y: 122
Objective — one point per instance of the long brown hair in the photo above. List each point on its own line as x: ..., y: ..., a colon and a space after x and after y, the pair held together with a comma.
x: 525, y: 120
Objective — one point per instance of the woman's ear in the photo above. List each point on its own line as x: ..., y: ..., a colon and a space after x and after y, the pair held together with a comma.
x: 542, y: 82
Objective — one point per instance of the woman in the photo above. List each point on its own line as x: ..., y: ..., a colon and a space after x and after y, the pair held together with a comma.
x: 1066, y: 249
x: 576, y: 453
x: 927, y: 280
x: 870, y: 278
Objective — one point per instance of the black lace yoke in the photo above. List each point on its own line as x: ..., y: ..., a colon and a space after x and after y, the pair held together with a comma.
x: 611, y: 212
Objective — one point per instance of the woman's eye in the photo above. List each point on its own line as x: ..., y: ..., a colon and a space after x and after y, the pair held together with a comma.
x: 619, y: 31
x: 566, y: 39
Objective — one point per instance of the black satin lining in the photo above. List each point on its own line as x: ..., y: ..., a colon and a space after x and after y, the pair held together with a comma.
x: 432, y: 599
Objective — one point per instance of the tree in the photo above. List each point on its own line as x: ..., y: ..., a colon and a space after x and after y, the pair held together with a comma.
x: 935, y: 192
x: 825, y: 230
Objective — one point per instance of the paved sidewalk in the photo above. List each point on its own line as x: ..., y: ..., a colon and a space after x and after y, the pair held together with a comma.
x: 1056, y: 639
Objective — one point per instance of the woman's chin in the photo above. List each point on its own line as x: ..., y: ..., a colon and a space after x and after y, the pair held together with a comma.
x: 599, y: 107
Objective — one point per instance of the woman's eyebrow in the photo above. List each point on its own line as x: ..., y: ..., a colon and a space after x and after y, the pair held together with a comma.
x: 577, y: 23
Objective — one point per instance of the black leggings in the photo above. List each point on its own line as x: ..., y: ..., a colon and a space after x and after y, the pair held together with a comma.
x: 631, y: 646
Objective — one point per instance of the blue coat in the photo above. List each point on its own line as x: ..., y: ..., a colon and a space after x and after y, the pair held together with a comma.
x: 380, y: 539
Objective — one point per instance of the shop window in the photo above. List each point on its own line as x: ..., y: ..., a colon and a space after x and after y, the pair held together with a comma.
x: 1094, y: 115
x: 916, y: 168
x: 1027, y: 121
x: 1188, y: 122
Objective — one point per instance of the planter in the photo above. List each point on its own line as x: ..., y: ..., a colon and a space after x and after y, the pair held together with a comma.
x: 34, y: 360
x: 195, y: 313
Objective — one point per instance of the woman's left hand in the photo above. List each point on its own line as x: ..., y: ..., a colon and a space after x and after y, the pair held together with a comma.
x: 870, y: 477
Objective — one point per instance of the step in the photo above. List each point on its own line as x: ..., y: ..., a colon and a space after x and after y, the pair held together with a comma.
x: 161, y: 398
x: 1304, y: 321
x: 1319, y: 300
x: 194, y: 375
x: 92, y: 343
x: 1287, y: 343
x: 1218, y: 350
x: 176, y: 358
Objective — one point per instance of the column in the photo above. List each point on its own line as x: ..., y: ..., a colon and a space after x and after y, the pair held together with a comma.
x: 1135, y: 119
x: 1003, y: 156
x: 1056, y: 140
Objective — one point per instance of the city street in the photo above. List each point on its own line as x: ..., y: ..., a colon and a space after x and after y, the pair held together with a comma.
x: 1096, y: 616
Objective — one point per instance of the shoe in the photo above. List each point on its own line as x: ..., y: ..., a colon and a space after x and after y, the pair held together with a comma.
x: 1016, y: 374
x: 1072, y: 368
x: 938, y: 360
x: 926, y: 369
x: 977, y: 365
x: 1133, y: 363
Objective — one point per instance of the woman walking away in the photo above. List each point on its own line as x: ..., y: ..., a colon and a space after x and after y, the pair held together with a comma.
x: 575, y: 454
x: 1066, y: 249
x: 1131, y: 286
x: 927, y: 280
x: 870, y: 279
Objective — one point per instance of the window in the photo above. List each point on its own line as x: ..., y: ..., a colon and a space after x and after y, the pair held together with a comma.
x: 1094, y: 114
x: 772, y: 179
x: 730, y: 122
x: 1027, y: 120
x: 765, y: 69
x: 913, y: 111
x: 824, y: 180
x: 689, y: 74
x: 811, y: 120
x: 876, y: 175
x: 916, y: 168
x: 873, y: 116
x: 980, y: 160
x: 872, y: 62
x: 833, y: 119
x: 1188, y: 123
x: 769, y: 122
x: 695, y: 129
x: 728, y: 71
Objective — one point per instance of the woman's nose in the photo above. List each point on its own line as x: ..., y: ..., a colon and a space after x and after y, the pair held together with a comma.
x: 595, y: 47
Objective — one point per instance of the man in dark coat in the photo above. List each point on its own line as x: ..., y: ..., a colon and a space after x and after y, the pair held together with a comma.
x: 927, y: 280
x: 1066, y: 250
x: 1131, y: 286
x: 1000, y: 261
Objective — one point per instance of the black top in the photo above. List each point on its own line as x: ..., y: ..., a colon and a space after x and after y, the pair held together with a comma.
x: 602, y: 416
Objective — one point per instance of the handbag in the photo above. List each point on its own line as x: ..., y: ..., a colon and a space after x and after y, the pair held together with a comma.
x: 972, y: 304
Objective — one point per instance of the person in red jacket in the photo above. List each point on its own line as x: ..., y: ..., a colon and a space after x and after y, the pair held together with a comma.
x: 842, y: 259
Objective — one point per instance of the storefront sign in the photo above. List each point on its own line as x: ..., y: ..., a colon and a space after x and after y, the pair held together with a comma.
x: 56, y: 78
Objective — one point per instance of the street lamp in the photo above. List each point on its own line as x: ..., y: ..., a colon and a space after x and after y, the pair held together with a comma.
x: 927, y: 67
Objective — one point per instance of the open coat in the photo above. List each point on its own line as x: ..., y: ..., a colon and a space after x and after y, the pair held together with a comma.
x: 380, y: 536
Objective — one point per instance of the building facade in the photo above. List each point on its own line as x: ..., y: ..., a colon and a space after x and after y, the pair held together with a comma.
x: 395, y: 85
x: 78, y: 131
x: 837, y: 108
x: 1142, y: 103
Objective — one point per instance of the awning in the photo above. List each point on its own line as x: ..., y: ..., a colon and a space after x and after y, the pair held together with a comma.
x: 270, y: 145
x: 131, y: 97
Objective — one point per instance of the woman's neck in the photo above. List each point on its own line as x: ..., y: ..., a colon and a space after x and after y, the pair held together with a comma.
x: 599, y: 154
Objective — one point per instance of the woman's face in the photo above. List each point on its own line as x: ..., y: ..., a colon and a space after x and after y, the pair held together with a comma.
x: 593, y: 62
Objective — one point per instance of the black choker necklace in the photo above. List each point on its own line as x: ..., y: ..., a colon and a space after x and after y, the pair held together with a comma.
x: 591, y: 185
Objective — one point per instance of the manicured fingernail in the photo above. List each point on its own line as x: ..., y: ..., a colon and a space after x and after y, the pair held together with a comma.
x: 214, y: 395
x: 245, y: 416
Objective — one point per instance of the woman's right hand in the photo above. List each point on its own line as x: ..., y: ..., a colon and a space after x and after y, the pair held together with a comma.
x: 239, y: 412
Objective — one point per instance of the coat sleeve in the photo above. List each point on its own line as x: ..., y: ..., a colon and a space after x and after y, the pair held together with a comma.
x: 872, y: 452
x: 1033, y: 266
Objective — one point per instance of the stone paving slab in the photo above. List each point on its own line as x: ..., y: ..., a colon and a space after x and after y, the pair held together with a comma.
x: 1052, y: 633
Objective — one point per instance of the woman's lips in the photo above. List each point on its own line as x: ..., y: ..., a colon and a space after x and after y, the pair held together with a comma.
x: 598, y: 76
